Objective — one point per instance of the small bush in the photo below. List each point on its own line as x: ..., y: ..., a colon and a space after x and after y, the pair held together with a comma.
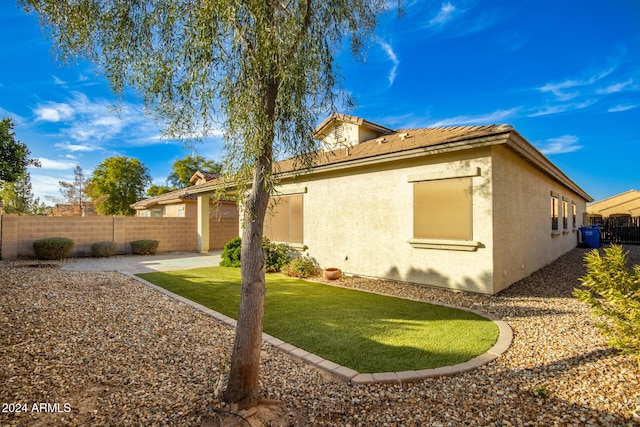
x: 103, y: 249
x: 144, y: 247
x: 613, y: 292
x: 53, y: 248
x: 277, y: 255
x: 231, y: 253
x: 301, y: 267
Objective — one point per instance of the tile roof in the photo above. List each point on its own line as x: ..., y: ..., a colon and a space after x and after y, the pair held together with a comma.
x: 398, y: 141
x: 172, y: 196
x: 420, y: 141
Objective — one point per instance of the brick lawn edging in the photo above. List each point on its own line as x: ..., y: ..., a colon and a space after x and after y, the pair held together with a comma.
x: 354, y: 377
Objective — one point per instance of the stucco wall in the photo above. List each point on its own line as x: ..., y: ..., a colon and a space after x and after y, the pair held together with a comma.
x: 523, y: 238
x: 224, y: 224
x: 361, y: 220
x: 19, y: 232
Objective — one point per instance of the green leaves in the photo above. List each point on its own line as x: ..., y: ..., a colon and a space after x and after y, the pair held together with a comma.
x: 14, y: 155
x: 183, y: 169
x: 117, y: 183
x: 259, y: 71
x: 613, y: 292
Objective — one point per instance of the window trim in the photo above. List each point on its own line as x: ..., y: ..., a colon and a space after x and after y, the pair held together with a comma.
x: 555, y: 213
x: 446, y: 244
x: 296, y: 192
x: 565, y: 215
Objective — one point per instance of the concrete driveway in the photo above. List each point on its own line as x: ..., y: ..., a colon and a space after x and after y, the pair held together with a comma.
x: 135, y: 264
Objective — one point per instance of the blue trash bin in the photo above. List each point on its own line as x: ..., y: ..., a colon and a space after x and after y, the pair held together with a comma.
x: 590, y: 236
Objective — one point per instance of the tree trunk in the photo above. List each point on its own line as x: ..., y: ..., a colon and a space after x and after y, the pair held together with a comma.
x: 245, y: 359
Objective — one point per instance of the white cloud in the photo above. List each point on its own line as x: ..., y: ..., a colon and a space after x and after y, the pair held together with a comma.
x: 58, y: 81
x: 615, y: 88
x: 54, y: 112
x: 445, y: 14
x: 564, y: 90
x: 497, y: 116
x: 75, y: 148
x: 561, y: 108
x: 45, y: 186
x: 56, y: 164
x: 560, y: 145
x: 619, y: 108
x: 392, y: 56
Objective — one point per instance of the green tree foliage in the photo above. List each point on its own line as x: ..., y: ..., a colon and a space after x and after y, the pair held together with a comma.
x: 613, y: 292
x: 14, y: 155
x: 18, y: 197
x: 117, y: 183
x: 183, y: 169
x: 260, y: 70
x: 157, y: 190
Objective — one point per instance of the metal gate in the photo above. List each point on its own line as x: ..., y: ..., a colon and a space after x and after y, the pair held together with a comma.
x: 621, y: 230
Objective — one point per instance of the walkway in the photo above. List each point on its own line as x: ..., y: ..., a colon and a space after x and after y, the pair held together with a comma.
x: 136, y: 264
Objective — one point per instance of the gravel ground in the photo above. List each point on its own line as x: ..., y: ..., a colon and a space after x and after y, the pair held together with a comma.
x: 82, y: 348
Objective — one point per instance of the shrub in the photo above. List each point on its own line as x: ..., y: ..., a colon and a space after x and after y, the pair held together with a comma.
x: 613, y: 292
x: 144, y: 247
x: 103, y: 249
x: 277, y: 255
x: 231, y: 253
x: 53, y: 248
x: 301, y: 267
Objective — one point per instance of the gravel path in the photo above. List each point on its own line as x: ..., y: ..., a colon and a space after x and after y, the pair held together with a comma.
x: 102, y: 349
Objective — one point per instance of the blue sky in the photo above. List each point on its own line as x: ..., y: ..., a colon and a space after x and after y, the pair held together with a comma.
x: 565, y: 74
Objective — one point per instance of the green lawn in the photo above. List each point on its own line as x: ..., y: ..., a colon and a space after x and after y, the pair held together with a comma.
x: 363, y: 331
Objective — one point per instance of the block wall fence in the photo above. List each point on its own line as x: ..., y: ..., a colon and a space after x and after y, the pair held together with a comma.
x: 17, y: 233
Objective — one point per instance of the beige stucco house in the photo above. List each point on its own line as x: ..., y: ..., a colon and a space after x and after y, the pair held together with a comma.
x: 222, y: 215
x: 474, y: 208
x: 626, y: 204
x: 176, y: 203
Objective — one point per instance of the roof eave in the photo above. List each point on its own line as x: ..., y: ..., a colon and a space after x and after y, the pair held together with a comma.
x: 526, y: 150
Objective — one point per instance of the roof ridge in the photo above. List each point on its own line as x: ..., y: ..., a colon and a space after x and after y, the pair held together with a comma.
x: 499, y: 127
x: 614, y: 196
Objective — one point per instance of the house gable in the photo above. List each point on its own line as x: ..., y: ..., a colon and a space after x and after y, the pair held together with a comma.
x: 343, y: 131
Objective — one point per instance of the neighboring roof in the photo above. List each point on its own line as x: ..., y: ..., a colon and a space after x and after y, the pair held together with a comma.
x: 336, y: 117
x: 408, y: 143
x: 177, y: 196
x: 203, y: 176
x: 624, y: 203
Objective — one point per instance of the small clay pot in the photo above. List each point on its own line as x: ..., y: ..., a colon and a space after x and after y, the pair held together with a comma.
x: 332, y: 273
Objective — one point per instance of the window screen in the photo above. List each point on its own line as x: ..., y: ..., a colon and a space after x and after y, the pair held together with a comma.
x: 283, y: 222
x: 442, y: 209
